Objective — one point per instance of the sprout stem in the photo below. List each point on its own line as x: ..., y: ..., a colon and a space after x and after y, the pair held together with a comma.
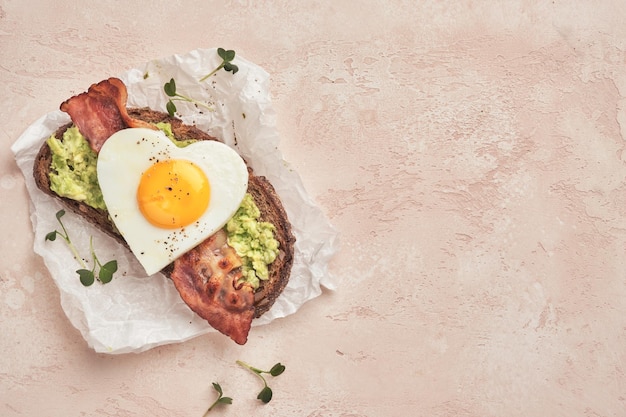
x: 66, y: 237
x: 212, y: 72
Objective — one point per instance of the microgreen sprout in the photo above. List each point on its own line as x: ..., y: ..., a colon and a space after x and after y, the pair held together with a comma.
x: 265, y: 395
x: 220, y: 398
x: 53, y: 235
x: 87, y: 276
x: 105, y: 274
x: 170, y: 87
x: 170, y: 90
x: 227, y: 58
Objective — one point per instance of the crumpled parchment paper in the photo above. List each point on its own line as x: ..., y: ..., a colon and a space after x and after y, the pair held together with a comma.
x: 134, y: 313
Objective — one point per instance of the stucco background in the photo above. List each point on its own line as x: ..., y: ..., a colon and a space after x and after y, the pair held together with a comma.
x: 471, y: 155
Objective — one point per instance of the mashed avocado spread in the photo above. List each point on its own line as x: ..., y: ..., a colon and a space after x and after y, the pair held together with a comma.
x: 167, y: 129
x: 74, y: 176
x: 73, y: 172
x: 253, y: 240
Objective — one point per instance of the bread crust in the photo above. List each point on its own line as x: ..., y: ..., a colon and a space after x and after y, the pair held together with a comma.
x: 259, y: 187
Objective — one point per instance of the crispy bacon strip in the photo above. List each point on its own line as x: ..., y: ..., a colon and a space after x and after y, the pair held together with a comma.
x: 206, y: 279
x: 101, y: 111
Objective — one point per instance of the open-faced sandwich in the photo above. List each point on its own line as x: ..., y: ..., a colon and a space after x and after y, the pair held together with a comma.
x: 184, y: 203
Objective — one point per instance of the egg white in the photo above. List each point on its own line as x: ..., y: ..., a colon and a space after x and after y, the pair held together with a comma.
x: 130, y: 152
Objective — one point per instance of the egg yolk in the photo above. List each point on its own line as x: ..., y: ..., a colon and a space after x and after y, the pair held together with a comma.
x: 173, y: 193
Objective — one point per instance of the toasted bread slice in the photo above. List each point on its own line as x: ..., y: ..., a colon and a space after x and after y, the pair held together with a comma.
x: 259, y: 187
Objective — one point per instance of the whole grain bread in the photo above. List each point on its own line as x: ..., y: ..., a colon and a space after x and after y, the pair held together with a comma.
x: 259, y: 187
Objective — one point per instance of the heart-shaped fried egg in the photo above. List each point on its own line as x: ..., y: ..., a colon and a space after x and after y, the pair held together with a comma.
x: 163, y: 199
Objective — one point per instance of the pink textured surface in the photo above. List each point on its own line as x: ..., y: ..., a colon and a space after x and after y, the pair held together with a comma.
x: 472, y: 155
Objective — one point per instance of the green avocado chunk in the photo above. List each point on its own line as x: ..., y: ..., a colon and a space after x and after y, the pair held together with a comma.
x: 253, y: 240
x: 73, y: 173
x: 167, y: 129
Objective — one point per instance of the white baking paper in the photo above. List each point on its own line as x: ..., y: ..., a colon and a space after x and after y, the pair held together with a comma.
x: 134, y: 313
